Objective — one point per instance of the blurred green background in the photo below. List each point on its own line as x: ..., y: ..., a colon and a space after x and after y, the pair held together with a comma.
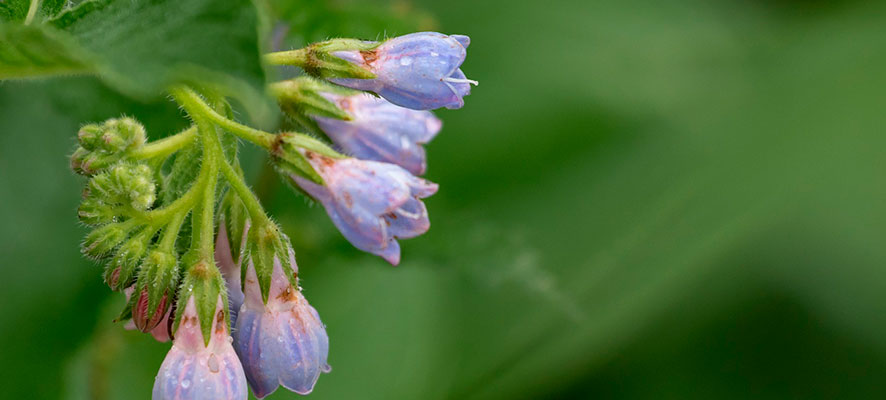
x: 642, y: 199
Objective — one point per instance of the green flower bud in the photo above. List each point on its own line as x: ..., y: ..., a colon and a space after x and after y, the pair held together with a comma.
x: 89, y: 136
x: 94, y: 212
x: 104, y: 144
x: 122, y: 186
x: 114, y: 135
x: 104, y: 239
x: 120, y: 271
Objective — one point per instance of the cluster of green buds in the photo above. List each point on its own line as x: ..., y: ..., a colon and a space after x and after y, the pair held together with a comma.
x: 184, y: 238
x: 104, y: 144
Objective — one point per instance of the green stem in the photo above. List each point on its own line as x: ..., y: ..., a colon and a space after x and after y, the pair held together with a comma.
x: 253, y: 206
x: 170, y: 234
x: 299, y: 57
x: 32, y: 11
x: 195, y: 105
x: 204, y: 224
x: 182, y: 204
x: 166, y: 146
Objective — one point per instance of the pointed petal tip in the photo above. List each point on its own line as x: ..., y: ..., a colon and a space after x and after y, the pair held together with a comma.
x: 464, y: 40
x: 391, y: 253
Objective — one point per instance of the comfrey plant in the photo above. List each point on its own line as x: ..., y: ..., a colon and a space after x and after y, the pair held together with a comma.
x: 202, y: 263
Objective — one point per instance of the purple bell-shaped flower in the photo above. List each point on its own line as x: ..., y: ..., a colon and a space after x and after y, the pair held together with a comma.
x: 194, y: 371
x: 371, y: 203
x: 381, y: 131
x: 418, y: 71
x: 282, y: 342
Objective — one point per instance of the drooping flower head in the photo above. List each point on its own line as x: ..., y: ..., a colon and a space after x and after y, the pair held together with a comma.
x: 418, y: 71
x: 381, y: 131
x: 195, y: 371
x: 283, y: 342
x: 372, y: 203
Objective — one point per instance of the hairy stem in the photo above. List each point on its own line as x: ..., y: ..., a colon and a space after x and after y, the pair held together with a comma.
x: 298, y: 57
x: 195, y: 105
x: 166, y: 146
x: 170, y: 233
x: 204, y: 224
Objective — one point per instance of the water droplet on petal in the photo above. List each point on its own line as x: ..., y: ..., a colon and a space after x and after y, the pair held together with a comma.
x: 406, y: 61
x: 186, y: 383
x: 213, y: 363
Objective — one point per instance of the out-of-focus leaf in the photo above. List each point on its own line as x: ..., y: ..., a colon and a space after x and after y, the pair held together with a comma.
x: 27, y: 51
x: 141, y: 47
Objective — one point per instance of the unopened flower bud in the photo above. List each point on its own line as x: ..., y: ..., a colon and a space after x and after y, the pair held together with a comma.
x: 281, y: 342
x: 86, y: 162
x: 371, y: 203
x: 157, y: 282
x: 125, y: 184
x: 114, y: 135
x: 418, y: 71
x: 381, y: 131
x: 104, y: 144
x: 104, y: 239
x: 163, y: 331
x: 120, y: 271
x: 195, y: 370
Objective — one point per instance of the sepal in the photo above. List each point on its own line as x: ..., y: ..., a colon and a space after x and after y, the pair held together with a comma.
x: 321, y: 62
x: 202, y: 282
x: 289, y: 152
x: 265, y: 244
x: 234, y: 218
x: 303, y: 96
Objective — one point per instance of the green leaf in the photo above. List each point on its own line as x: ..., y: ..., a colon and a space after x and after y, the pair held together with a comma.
x: 141, y: 47
x: 17, y: 10
x: 28, y: 51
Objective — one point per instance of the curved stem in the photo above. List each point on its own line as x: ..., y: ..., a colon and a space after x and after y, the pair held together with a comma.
x: 170, y: 234
x: 198, y: 108
x: 184, y: 203
x: 253, y: 206
x: 166, y: 146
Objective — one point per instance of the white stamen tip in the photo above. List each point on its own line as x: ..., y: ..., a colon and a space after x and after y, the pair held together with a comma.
x: 458, y: 80
x: 407, y: 214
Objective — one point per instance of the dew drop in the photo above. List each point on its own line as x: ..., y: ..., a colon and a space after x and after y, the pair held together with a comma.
x: 186, y: 383
x: 434, y: 54
x: 406, y: 61
x: 213, y: 363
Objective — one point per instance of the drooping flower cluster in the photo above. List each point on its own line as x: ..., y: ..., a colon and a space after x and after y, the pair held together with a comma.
x: 199, y: 260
